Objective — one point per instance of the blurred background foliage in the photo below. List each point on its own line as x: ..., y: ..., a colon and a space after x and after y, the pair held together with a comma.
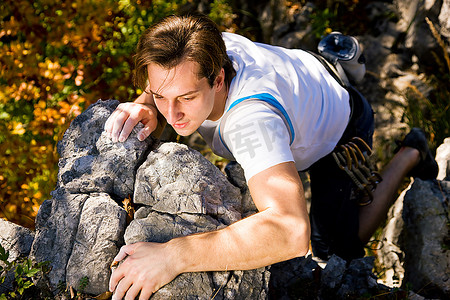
x: 58, y: 57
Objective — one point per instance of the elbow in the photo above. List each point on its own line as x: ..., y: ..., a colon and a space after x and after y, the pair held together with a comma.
x: 299, y: 237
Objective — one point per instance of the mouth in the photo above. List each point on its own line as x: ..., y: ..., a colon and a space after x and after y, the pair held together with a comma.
x: 180, y: 125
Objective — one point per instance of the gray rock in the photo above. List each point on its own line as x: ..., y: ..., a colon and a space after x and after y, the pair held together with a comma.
x: 297, y: 278
x: 332, y: 274
x: 196, y: 286
x: 443, y: 159
x: 91, y: 162
x: 390, y: 255
x: 98, y: 239
x: 251, y: 284
x: 415, y: 240
x: 419, y: 39
x: 56, y: 228
x: 160, y: 228
x: 426, y: 238
x: 183, y: 194
x: 15, y: 239
x: 175, y: 179
x: 444, y: 19
x: 236, y: 176
x: 359, y: 279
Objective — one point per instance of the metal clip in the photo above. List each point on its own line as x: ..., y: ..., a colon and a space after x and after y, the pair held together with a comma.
x: 355, y: 162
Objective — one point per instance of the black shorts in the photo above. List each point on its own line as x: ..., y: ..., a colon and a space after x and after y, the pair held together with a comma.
x: 334, y: 210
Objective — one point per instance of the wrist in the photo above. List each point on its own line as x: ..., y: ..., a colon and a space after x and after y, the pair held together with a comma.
x: 178, y: 254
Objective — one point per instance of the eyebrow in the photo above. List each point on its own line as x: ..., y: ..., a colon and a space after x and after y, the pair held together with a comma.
x: 182, y: 95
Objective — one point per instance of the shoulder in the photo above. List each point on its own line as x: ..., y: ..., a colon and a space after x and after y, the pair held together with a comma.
x: 257, y: 137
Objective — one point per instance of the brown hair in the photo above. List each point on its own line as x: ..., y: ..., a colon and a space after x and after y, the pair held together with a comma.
x: 176, y: 38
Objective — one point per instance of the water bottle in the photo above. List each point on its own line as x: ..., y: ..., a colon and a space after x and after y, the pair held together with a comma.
x: 346, y: 51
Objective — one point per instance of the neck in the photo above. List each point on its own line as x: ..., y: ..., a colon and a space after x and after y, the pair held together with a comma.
x: 219, y: 105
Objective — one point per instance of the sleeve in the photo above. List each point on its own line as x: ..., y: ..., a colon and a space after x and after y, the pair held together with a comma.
x: 258, y: 138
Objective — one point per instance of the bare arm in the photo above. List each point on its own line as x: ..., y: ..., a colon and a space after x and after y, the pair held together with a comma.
x: 127, y: 115
x: 279, y: 231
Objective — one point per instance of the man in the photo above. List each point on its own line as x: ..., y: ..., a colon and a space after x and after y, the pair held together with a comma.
x: 276, y: 112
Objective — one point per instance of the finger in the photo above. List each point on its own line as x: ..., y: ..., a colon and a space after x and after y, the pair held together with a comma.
x: 121, y: 288
x: 133, y: 291
x: 130, y: 123
x: 144, y: 133
x: 118, y: 125
x: 116, y: 276
x: 124, y: 252
x: 145, y: 294
x: 110, y: 121
x: 150, y: 125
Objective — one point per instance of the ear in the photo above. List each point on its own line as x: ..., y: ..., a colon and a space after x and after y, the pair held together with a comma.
x: 219, y: 83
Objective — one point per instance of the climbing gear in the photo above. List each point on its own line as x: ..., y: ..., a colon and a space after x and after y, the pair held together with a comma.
x: 345, y: 54
x: 427, y: 167
x: 355, y: 162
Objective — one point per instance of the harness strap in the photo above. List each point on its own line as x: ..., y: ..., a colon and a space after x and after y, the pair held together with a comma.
x: 335, y: 69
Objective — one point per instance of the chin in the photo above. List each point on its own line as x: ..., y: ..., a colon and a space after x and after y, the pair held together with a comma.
x: 184, y: 131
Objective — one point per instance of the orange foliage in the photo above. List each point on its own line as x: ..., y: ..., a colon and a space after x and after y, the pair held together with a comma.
x: 56, y: 58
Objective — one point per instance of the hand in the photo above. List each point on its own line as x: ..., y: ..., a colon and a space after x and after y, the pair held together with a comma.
x: 126, y: 116
x: 146, y: 268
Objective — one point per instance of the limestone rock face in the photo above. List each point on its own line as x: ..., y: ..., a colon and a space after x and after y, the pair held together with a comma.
x: 15, y: 239
x: 97, y: 241
x: 56, y: 228
x: 162, y: 184
x: 443, y: 160
x: 178, y: 192
x: 182, y: 193
x: 91, y: 162
x: 415, y: 245
x: 426, y: 238
x: 82, y: 225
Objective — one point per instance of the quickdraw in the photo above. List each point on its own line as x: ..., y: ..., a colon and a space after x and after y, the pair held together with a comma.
x: 357, y: 165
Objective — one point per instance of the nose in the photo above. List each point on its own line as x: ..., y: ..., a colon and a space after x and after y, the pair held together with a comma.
x: 173, y: 112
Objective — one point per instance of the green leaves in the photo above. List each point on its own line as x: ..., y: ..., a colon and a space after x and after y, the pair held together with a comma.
x: 4, y: 255
x: 24, y: 272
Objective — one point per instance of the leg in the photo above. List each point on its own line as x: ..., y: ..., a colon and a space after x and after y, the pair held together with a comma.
x: 370, y: 216
x: 413, y: 159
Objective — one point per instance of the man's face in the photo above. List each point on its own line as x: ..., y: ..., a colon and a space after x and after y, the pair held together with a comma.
x: 181, y: 97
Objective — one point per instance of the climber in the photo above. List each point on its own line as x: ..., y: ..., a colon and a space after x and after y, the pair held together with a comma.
x: 275, y: 111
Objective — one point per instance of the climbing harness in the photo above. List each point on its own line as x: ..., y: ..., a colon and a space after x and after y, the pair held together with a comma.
x: 357, y: 165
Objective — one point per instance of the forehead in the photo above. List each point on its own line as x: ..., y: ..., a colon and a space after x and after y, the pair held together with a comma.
x: 182, y: 76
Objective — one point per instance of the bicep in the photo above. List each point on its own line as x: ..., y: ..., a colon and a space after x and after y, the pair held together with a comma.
x: 279, y: 189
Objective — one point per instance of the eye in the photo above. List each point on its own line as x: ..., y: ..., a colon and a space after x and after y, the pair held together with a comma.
x: 157, y: 96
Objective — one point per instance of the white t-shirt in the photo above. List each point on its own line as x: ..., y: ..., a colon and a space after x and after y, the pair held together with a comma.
x: 282, y: 106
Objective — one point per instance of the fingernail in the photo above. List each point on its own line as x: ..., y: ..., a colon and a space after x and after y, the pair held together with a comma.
x: 121, y: 139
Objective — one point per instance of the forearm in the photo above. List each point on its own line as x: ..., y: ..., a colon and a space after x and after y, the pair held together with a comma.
x: 259, y: 240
